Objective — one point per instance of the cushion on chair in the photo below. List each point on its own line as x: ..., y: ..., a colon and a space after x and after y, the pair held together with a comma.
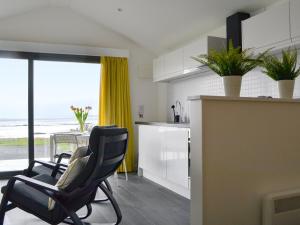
x: 79, y: 153
x: 74, y: 170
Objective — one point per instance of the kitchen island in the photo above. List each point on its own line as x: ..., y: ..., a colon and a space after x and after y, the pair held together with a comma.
x: 241, y: 150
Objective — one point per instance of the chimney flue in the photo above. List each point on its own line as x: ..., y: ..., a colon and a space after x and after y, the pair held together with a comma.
x: 234, y: 28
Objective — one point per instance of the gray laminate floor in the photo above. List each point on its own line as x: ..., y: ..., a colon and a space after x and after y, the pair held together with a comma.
x: 142, y: 203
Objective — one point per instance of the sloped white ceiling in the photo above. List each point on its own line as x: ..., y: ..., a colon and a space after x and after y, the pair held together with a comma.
x: 14, y: 7
x: 157, y: 25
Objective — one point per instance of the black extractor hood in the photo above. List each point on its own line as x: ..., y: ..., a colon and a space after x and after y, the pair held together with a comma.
x: 234, y: 28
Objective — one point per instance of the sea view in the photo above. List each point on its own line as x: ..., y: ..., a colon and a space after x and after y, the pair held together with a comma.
x: 14, y: 139
x: 18, y: 128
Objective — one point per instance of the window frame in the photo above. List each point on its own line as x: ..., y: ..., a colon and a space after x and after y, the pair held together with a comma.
x: 31, y: 57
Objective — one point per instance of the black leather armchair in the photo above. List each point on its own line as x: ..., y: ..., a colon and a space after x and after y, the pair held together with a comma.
x: 108, y: 148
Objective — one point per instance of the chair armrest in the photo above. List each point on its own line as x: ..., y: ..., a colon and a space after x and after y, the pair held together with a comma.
x: 59, y: 165
x: 61, y: 156
x: 55, y: 167
x: 50, y: 165
x: 36, y: 184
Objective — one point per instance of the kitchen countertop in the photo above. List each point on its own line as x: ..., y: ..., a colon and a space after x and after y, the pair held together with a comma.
x: 164, y: 124
x: 251, y: 99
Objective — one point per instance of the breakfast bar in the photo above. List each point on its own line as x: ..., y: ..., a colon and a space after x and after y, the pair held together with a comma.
x: 241, y: 150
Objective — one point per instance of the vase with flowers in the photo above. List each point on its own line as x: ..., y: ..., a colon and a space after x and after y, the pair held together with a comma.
x: 81, y: 115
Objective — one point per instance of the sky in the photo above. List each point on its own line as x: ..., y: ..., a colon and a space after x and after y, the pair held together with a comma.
x: 57, y: 86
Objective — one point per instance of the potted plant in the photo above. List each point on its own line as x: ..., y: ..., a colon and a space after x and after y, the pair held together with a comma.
x: 81, y: 115
x: 231, y: 65
x: 284, y: 70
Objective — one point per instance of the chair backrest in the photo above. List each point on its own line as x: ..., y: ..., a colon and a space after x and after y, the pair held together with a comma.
x: 90, y: 150
x: 107, y: 148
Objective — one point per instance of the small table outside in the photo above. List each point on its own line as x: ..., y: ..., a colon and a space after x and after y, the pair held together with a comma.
x: 82, y: 140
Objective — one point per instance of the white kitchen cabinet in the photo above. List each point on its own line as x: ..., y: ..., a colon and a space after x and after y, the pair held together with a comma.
x: 163, y: 156
x: 200, y: 47
x: 194, y: 49
x: 268, y: 29
x: 179, y: 64
x: 295, y: 19
x: 168, y: 66
x: 158, y: 68
x: 176, y: 155
x: 155, y: 68
x: 174, y: 62
x: 151, y: 156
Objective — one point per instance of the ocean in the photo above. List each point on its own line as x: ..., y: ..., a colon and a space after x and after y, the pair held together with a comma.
x: 18, y: 128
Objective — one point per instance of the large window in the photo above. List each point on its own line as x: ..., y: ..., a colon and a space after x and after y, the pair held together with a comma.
x: 36, y: 93
x: 13, y: 114
x: 57, y: 86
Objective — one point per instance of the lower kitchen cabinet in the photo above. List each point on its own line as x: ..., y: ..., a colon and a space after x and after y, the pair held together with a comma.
x: 164, y: 156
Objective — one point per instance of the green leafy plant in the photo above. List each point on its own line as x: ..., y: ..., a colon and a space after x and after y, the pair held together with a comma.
x: 81, y: 115
x: 231, y: 62
x: 284, y: 68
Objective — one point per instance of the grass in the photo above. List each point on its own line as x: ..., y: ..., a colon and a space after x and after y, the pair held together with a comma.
x: 23, y: 142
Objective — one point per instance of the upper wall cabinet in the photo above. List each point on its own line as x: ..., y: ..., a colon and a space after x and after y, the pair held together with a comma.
x: 194, y: 49
x: 178, y: 63
x: 268, y: 29
x: 174, y: 63
x: 295, y: 19
x: 168, y: 66
x: 201, y: 46
x: 158, y: 68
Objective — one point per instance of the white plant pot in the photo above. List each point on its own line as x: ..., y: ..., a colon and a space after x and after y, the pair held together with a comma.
x: 286, y: 88
x: 232, y: 85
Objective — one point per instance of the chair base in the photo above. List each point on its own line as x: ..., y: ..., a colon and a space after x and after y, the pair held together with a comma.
x: 113, y: 202
x: 107, y: 184
x: 89, y: 212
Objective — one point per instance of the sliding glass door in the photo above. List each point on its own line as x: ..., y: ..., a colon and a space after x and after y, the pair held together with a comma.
x: 36, y: 92
x: 57, y: 87
x: 13, y: 115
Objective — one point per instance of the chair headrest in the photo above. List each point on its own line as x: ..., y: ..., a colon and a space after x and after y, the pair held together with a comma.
x: 99, y: 131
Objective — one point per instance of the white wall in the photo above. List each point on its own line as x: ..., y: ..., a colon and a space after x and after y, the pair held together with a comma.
x: 63, y: 26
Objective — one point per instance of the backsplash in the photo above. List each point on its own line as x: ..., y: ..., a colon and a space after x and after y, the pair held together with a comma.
x: 254, y: 84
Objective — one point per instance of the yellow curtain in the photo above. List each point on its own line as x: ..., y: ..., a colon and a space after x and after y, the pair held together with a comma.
x: 114, y: 101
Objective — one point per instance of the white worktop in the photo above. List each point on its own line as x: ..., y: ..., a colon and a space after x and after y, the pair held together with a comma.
x: 164, y: 124
x: 256, y: 99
